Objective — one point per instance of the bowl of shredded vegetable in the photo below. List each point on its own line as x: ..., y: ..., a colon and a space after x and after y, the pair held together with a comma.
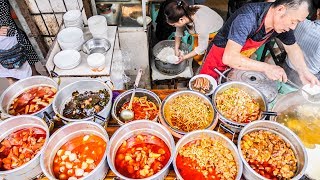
x: 145, y: 105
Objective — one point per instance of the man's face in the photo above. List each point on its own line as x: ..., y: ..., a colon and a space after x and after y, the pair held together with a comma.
x: 288, y: 18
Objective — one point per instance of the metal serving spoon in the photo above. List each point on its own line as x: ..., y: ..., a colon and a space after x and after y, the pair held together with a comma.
x: 128, y: 114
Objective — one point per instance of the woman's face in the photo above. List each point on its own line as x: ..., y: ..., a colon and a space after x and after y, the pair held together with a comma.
x: 181, y: 23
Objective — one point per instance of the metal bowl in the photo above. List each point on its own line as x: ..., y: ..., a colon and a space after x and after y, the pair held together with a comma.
x: 32, y: 168
x: 19, y: 87
x: 125, y: 97
x: 167, y: 68
x: 287, y: 135
x: 167, y: 100
x: 96, y: 45
x: 199, y: 134
x: 137, y: 127
x: 65, y: 94
x: 253, y: 92
x: 67, y: 133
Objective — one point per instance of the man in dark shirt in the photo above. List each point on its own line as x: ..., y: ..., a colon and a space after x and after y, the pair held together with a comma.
x: 250, y: 27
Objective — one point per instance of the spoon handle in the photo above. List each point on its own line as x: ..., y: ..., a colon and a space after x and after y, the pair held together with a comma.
x: 298, y: 87
x: 221, y: 74
x: 136, y: 83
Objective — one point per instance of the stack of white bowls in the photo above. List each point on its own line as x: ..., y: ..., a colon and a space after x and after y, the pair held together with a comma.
x: 98, y: 26
x: 67, y: 59
x: 73, y: 18
x: 70, y: 38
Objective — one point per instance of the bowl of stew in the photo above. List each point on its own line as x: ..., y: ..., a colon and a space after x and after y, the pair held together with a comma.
x: 141, y: 150
x: 206, y: 154
x: 145, y: 105
x: 22, y: 140
x: 77, y: 150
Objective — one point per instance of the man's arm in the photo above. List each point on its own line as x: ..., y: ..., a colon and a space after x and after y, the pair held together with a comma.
x: 297, y: 59
x: 233, y: 58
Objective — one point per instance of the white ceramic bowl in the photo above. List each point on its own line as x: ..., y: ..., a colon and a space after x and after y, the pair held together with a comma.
x: 96, y: 61
x: 72, y: 15
x: 67, y: 59
x: 213, y: 82
x: 314, y: 90
x: 70, y: 38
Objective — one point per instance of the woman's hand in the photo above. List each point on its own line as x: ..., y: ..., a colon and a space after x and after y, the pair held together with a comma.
x: 181, y: 58
x: 177, y: 52
x: 4, y: 30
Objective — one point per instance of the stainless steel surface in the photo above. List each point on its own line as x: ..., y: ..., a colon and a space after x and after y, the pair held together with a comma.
x: 315, y: 97
x: 65, y: 94
x: 19, y: 87
x: 252, y: 91
x: 287, y: 135
x: 125, y: 97
x: 167, y: 68
x: 96, y: 45
x: 32, y: 168
x: 185, y: 92
x: 137, y: 127
x: 195, y: 135
x: 67, y: 133
x: 128, y: 114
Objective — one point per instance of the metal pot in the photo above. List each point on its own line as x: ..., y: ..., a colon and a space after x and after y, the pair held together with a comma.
x: 195, y: 135
x: 167, y: 68
x: 253, y: 92
x: 135, y: 127
x: 32, y: 168
x: 19, y: 87
x: 125, y: 97
x: 287, y: 135
x: 177, y: 132
x: 65, y: 94
x: 67, y: 133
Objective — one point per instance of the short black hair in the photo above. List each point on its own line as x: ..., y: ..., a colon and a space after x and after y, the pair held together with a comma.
x: 293, y: 3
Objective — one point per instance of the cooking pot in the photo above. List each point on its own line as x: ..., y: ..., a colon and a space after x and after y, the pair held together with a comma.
x: 167, y: 68
x: 253, y: 92
x: 19, y: 87
x: 32, y: 168
x: 287, y: 135
x: 67, y: 133
x: 133, y: 128
x: 65, y: 94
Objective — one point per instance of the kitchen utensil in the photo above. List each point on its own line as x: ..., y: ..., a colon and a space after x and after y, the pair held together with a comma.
x: 128, y: 114
x: 96, y: 45
x: 67, y: 59
x: 299, y: 88
x: 221, y: 74
x: 212, y: 81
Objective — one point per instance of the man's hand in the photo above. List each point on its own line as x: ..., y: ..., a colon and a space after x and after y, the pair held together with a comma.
x: 307, y: 77
x: 274, y: 72
x: 4, y: 30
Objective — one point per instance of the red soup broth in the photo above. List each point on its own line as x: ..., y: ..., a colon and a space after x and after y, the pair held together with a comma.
x: 20, y: 147
x: 78, y: 157
x: 141, y: 156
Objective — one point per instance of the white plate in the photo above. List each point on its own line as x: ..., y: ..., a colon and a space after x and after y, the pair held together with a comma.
x: 67, y: 59
x: 213, y: 82
x: 314, y: 90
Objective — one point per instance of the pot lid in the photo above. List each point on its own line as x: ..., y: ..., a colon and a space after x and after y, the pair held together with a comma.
x: 258, y: 80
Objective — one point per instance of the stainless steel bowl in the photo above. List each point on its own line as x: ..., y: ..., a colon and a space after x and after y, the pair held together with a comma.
x: 32, y: 168
x: 125, y: 97
x: 67, y: 133
x: 167, y: 68
x: 253, y: 92
x: 199, y: 134
x: 19, y: 87
x: 96, y: 45
x: 65, y: 94
x: 287, y: 135
x: 136, y: 127
x: 167, y: 100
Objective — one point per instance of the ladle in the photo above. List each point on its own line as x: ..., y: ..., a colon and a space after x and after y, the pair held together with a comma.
x: 128, y: 114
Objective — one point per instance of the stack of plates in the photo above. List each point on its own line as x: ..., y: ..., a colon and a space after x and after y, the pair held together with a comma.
x: 67, y: 59
x: 73, y: 18
x: 70, y: 38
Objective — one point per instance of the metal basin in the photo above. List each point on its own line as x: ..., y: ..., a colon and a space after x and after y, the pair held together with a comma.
x: 136, y: 127
x: 65, y: 94
x: 253, y: 92
x: 195, y: 135
x: 176, y: 132
x: 96, y: 45
x: 67, y: 133
x: 125, y: 97
x: 32, y: 168
x: 167, y: 68
x: 287, y: 135
x: 19, y: 87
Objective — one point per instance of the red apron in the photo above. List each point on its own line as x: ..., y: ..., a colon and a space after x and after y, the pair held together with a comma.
x: 214, y: 57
